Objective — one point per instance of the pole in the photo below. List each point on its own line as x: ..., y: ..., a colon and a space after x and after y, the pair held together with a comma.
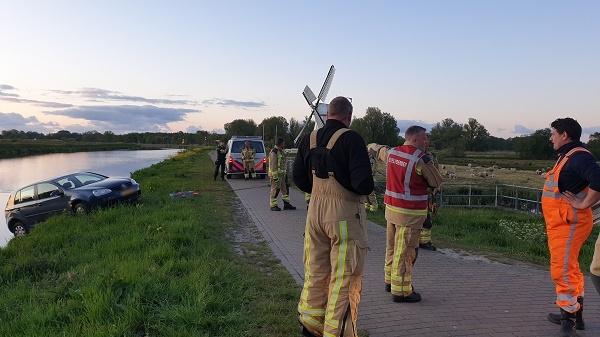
x: 496, y: 200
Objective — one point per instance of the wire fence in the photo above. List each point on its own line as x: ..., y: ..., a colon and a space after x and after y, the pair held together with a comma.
x: 520, y: 198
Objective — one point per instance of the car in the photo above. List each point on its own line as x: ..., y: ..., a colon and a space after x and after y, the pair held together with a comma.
x: 234, y: 165
x: 77, y: 193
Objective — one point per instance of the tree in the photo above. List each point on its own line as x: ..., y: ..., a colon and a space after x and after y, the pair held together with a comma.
x: 240, y: 127
x: 272, y: 125
x: 476, y: 136
x: 448, y: 135
x: 594, y: 144
x: 535, y: 146
x: 297, y: 126
x: 377, y: 127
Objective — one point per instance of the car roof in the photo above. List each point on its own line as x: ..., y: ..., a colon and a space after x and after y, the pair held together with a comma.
x: 56, y: 178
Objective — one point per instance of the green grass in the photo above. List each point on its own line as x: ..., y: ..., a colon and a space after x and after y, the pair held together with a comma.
x: 496, y: 233
x: 162, y: 268
x: 22, y: 148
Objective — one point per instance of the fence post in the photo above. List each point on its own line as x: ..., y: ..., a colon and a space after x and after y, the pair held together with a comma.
x: 516, y: 198
x: 496, y: 200
x: 469, y: 195
x: 441, y: 197
x: 537, y: 204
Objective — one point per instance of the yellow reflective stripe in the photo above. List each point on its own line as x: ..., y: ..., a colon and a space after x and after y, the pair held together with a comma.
x: 406, y: 278
x: 404, y: 289
x: 341, y: 266
x: 328, y: 334
x: 416, y: 212
x: 307, y: 280
x: 334, y: 323
x: 311, y: 311
x: 311, y: 322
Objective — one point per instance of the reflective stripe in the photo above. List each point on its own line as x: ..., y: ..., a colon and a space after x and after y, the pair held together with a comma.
x: 310, y: 321
x: 553, y: 195
x: 571, y: 308
x: 415, y: 212
x: 398, y: 249
x: 551, y: 183
x: 307, y: 274
x: 565, y: 297
x: 404, y: 154
x: 339, y: 276
x: 406, y: 196
x: 409, y: 171
x: 311, y: 311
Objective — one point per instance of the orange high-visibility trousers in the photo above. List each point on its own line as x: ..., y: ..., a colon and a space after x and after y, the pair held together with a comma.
x: 567, y: 230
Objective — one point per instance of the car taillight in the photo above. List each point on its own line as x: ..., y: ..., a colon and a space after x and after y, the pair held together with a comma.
x: 230, y: 159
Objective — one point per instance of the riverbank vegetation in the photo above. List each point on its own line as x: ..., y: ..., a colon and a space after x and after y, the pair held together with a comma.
x: 162, y: 268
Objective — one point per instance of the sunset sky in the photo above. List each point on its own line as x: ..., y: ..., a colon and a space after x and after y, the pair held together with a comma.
x: 174, y: 65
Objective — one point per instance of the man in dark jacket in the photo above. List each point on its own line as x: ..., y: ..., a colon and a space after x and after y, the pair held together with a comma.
x: 332, y: 165
x: 220, y: 162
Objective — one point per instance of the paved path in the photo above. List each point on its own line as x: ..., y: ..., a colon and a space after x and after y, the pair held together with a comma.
x: 462, y: 296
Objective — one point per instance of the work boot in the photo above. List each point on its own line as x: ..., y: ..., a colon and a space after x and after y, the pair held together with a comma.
x: 567, y: 324
x: 305, y: 331
x: 288, y: 206
x: 579, y: 323
x: 428, y: 246
x: 412, y: 298
x: 388, y: 288
x: 275, y: 208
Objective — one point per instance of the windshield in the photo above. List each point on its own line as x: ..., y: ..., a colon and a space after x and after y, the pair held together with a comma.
x: 238, y: 145
x: 78, y: 179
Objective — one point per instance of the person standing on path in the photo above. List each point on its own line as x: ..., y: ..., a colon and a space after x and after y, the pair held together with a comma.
x: 410, y: 173
x: 332, y: 165
x: 220, y: 162
x: 278, y: 174
x: 425, y: 237
x: 248, y: 154
x: 570, y: 188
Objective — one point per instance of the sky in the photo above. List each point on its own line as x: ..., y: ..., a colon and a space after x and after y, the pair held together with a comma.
x: 127, y: 66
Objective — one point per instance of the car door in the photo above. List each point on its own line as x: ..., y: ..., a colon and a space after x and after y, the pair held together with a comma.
x: 51, y: 200
x: 26, y: 206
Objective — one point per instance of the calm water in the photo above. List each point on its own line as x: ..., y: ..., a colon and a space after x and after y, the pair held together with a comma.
x: 18, y: 172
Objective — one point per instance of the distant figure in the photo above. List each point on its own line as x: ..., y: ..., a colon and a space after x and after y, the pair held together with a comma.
x: 278, y: 174
x: 248, y: 154
x: 572, y: 186
x: 425, y: 237
x: 220, y: 162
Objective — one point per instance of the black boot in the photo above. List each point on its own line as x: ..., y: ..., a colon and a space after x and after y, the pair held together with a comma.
x: 579, y: 323
x: 412, y: 298
x: 388, y: 287
x: 567, y: 324
x: 427, y: 246
x: 305, y: 332
x: 287, y: 205
x: 275, y: 208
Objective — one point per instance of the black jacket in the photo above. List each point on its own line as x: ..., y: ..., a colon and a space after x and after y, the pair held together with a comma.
x: 221, y: 153
x: 352, y: 167
x: 580, y: 171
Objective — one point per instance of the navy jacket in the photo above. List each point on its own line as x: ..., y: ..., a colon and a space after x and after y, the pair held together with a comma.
x: 580, y: 171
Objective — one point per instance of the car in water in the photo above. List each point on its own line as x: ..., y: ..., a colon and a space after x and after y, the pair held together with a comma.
x: 76, y: 193
x: 234, y: 165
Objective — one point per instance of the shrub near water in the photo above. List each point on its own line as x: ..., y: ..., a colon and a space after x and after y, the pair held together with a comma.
x: 162, y: 268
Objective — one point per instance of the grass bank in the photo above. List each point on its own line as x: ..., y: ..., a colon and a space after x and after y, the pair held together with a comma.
x: 495, y: 232
x: 22, y: 148
x: 162, y: 268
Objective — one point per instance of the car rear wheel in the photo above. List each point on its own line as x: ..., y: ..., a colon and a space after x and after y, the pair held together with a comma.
x: 80, y: 209
x: 228, y: 176
x: 20, y: 229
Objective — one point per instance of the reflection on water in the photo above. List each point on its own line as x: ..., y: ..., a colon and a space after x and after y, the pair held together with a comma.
x: 18, y: 172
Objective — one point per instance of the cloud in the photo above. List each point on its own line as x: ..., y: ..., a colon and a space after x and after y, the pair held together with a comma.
x: 404, y: 124
x: 591, y: 129
x: 125, y: 118
x: 235, y: 103
x: 193, y: 129
x: 13, y: 120
x: 15, y: 98
x: 103, y: 95
x: 522, y: 130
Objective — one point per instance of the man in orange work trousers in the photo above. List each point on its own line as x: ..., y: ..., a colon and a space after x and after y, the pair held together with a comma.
x: 410, y: 173
x: 571, y: 187
x: 332, y: 165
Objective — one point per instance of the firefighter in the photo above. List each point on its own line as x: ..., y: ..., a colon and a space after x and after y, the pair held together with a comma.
x: 425, y: 237
x: 248, y: 154
x: 410, y: 173
x: 371, y: 204
x: 220, y: 162
x: 278, y: 175
x: 571, y: 187
x: 333, y: 165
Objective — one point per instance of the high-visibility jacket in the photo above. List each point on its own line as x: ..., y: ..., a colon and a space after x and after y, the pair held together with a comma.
x: 248, y: 154
x: 277, y: 166
x: 404, y: 187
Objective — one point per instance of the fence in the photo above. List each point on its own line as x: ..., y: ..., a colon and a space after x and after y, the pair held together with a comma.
x: 519, y: 198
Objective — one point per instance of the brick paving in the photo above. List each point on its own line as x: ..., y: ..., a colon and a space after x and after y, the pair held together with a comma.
x: 462, y: 295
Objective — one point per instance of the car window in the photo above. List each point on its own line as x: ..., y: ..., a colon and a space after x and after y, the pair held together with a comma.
x: 26, y: 194
x: 67, y: 183
x: 238, y: 145
x: 86, y: 179
x: 45, y: 190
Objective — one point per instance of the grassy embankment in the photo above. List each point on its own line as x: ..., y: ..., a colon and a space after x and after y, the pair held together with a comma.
x: 162, y: 268
x: 496, y: 233
x: 22, y: 148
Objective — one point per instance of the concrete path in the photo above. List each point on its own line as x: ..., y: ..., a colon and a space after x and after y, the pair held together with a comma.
x: 462, y: 296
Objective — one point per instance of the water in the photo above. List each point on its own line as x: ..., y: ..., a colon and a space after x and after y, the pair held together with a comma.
x: 19, y: 172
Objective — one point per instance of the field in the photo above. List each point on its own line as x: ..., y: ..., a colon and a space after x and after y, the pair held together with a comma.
x: 162, y: 268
